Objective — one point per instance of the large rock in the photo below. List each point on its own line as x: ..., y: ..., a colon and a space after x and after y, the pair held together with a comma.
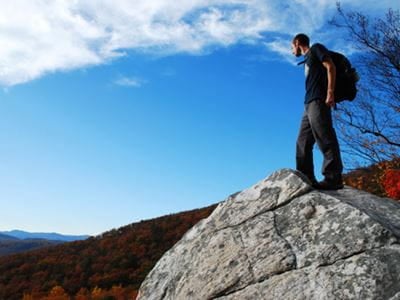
x: 280, y: 239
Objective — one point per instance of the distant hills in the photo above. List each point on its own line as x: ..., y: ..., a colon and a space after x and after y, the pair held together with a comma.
x: 46, y: 236
x: 4, y: 237
x: 17, y: 241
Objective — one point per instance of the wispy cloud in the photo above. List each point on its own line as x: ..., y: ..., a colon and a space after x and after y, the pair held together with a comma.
x: 42, y: 36
x: 130, y: 82
x: 281, y: 47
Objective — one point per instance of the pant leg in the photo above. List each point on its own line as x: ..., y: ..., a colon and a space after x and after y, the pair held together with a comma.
x: 320, y: 118
x: 304, y: 148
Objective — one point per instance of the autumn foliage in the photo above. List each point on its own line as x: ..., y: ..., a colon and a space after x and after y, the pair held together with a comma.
x: 58, y: 293
x: 391, y: 183
x: 109, y: 266
x: 382, y: 179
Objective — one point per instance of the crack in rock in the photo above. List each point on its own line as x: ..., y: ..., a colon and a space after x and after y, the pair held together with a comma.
x: 353, y: 255
x: 271, y: 209
x: 308, y: 268
x: 286, y: 241
x: 280, y: 239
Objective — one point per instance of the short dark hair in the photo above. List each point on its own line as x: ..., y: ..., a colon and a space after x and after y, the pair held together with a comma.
x: 303, y: 39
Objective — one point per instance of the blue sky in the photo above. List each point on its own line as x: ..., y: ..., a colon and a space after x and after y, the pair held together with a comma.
x: 113, y: 112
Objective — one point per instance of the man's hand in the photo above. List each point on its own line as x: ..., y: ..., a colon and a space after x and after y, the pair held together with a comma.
x: 330, y: 98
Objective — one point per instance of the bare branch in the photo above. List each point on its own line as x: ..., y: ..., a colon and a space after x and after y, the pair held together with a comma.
x: 369, y: 126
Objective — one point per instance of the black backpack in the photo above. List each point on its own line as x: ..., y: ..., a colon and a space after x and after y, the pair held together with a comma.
x: 346, y: 78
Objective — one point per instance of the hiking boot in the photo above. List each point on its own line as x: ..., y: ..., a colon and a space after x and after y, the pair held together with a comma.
x: 314, y: 183
x: 328, y: 185
x: 312, y: 180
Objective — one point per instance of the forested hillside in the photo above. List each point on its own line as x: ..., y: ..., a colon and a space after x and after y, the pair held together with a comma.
x: 110, y: 265
x: 14, y: 245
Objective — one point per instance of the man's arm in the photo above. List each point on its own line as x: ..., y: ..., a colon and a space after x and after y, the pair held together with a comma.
x: 331, y: 72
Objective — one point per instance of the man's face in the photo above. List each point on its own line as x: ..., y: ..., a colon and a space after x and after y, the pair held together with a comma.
x: 296, y: 49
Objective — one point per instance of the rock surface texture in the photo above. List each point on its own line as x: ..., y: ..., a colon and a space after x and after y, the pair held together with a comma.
x: 281, y: 239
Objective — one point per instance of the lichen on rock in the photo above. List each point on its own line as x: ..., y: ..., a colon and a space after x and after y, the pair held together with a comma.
x: 281, y: 239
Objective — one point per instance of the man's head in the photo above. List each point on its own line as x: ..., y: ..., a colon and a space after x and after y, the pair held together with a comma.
x: 300, y: 41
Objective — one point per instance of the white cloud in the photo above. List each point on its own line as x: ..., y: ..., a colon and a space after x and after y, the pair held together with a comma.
x: 281, y: 47
x: 43, y: 36
x: 130, y: 82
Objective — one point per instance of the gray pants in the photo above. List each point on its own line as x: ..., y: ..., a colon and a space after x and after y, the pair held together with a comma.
x: 316, y: 126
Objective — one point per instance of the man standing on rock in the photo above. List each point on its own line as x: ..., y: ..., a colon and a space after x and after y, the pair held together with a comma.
x: 316, y: 124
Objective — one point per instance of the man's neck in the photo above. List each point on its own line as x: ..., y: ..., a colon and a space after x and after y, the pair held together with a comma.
x: 304, y: 50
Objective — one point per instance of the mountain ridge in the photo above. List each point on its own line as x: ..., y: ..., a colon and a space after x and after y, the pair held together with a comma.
x: 6, y: 237
x: 19, y: 241
x: 51, y: 236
